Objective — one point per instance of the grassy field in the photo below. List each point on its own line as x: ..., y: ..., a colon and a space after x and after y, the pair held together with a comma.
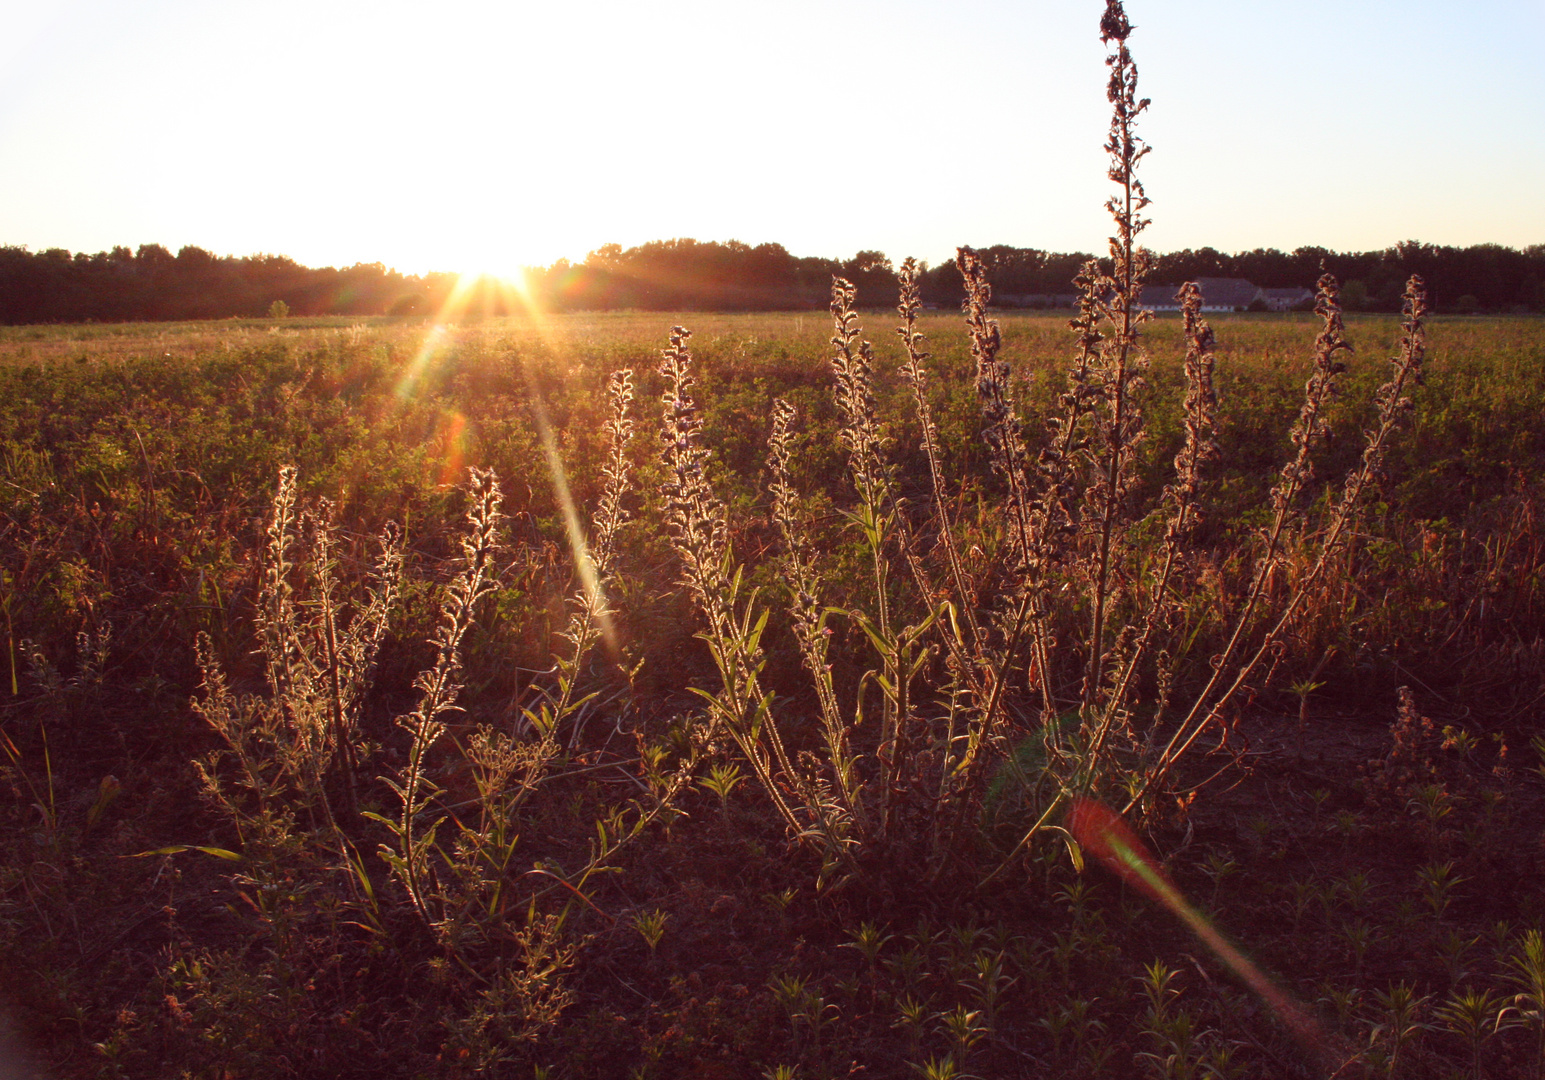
x: 290, y: 789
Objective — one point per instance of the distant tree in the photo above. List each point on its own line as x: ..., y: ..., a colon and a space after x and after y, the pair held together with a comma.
x: 872, y: 273
x: 1531, y: 293
x: 278, y: 310
x: 56, y: 285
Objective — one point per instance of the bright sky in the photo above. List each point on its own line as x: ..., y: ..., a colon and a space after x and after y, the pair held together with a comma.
x: 471, y: 134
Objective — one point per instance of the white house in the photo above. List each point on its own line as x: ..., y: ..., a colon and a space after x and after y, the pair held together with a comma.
x: 1286, y: 299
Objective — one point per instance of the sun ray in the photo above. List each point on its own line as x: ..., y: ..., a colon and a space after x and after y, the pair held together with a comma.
x: 584, y: 565
x: 434, y: 339
x: 482, y: 294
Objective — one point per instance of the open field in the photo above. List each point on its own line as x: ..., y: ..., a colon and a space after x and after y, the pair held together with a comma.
x: 290, y: 792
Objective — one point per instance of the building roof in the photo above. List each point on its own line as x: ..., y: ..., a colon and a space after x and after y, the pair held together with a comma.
x: 1159, y: 296
x: 1227, y: 292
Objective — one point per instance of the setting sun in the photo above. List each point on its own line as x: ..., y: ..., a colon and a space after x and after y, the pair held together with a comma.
x: 489, y: 136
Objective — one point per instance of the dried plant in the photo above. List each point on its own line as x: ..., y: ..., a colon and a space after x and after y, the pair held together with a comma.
x: 1240, y: 662
x: 412, y: 842
x: 1116, y: 381
x: 319, y: 652
x: 1021, y: 614
x: 883, y: 525
x: 916, y: 377
x: 809, y: 617
x: 734, y: 626
x: 590, y: 618
x: 1071, y: 513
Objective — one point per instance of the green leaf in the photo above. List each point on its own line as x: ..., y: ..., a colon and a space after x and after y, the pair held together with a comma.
x: 883, y: 647
x: 711, y: 698
x: 1075, y: 852
x: 390, y: 823
x: 755, y: 635
x: 177, y: 849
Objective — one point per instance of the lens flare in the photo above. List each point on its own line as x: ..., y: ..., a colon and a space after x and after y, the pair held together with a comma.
x: 482, y: 295
x: 1108, y: 838
x: 452, y: 436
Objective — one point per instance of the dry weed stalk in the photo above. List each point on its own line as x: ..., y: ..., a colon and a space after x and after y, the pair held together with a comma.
x: 590, y: 619
x: 916, y: 377
x: 734, y: 626
x: 1038, y: 528
x: 409, y: 854
x: 882, y: 521
x: 808, y: 615
x: 319, y: 653
x: 1230, y: 673
x: 508, y: 772
x: 1071, y: 520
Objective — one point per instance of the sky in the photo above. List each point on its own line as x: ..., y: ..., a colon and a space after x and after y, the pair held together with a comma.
x: 466, y: 135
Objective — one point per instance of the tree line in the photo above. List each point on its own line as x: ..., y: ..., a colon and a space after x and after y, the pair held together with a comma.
x: 151, y: 283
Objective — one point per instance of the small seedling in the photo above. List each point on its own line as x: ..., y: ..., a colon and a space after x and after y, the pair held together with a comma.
x: 908, y: 965
x: 721, y: 780
x: 1491, y: 802
x: 780, y: 901
x: 965, y: 938
x: 651, y: 927
x: 1475, y: 1016
x: 1453, y: 948
x: 1344, y: 1001
x: 965, y: 1028
x: 868, y: 940
x: 1457, y: 738
x: 1355, y: 887
x: 1431, y: 802
x: 939, y: 1069
x: 1359, y: 935
x: 1437, y: 885
x: 1076, y: 1018
x: 1401, y: 1008
x: 1302, y: 896
x: 914, y: 1014
x: 1528, y: 976
x: 789, y: 991
x: 988, y: 983
x: 1301, y: 690
x: 1218, y: 866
